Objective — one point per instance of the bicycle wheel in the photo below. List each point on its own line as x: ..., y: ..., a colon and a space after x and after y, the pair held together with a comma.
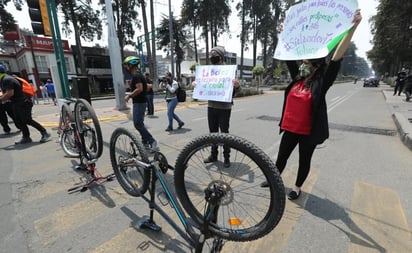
x: 68, y: 142
x: 124, y: 148
x: 67, y: 138
x: 67, y: 115
x: 246, y: 211
x: 88, y: 124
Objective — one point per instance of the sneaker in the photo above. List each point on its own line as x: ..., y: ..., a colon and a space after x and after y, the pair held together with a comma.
x: 181, y: 124
x: 45, y: 137
x: 210, y: 159
x: 154, y: 147
x: 226, y: 163
x: 293, y: 195
x: 169, y: 129
x: 24, y: 140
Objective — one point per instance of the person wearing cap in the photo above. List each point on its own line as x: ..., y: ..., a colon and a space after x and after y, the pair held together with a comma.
x: 218, y: 113
x: 22, y: 107
x: 304, y: 119
x: 138, y: 89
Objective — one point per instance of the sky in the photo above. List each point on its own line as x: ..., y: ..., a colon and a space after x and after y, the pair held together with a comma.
x: 361, y: 38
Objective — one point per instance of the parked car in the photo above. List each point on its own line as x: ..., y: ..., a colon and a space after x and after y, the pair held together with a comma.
x: 371, y: 81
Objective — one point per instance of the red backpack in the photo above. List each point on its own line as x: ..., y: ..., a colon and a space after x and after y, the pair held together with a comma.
x: 27, y: 88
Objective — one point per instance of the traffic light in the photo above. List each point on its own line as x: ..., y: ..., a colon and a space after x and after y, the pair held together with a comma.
x: 39, y: 17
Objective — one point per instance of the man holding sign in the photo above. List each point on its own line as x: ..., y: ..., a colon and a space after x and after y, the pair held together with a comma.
x: 217, y: 84
x: 304, y: 118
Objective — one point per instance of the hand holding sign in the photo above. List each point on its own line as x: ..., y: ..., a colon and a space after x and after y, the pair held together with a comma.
x: 214, y: 82
x: 313, y: 28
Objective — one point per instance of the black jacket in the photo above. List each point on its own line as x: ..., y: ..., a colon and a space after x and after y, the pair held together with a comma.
x: 319, y: 87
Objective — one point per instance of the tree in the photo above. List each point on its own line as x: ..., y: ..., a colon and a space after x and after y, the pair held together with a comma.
x: 190, y: 17
x: 7, y: 20
x: 258, y: 71
x: 86, y: 24
x: 211, y: 16
x: 179, y: 40
x: 392, y: 36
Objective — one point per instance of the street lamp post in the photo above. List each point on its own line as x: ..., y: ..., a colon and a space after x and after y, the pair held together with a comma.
x: 171, y: 38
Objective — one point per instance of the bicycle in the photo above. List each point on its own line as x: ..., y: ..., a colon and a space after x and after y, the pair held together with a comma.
x: 217, y: 200
x: 81, y: 137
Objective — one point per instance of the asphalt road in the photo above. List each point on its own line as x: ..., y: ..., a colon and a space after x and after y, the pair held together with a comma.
x: 356, y: 199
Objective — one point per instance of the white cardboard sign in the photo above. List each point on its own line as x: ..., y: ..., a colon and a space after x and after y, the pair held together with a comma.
x: 214, y: 82
x: 313, y: 28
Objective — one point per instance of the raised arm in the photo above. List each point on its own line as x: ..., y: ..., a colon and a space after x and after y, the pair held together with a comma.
x: 344, y: 43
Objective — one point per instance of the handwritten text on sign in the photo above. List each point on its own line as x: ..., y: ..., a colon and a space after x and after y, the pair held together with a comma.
x: 214, y: 82
x: 313, y: 28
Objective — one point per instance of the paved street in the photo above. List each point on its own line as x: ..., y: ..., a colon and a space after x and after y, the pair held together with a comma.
x: 356, y: 199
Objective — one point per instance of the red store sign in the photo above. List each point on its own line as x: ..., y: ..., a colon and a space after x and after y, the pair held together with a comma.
x: 46, y: 43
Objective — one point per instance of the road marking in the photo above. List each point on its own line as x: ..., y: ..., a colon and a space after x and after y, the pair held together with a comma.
x: 31, y: 191
x: 379, y: 223
x: 135, y: 239
x: 276, y: 241
x: 339, y: 100
x: 68, y: 218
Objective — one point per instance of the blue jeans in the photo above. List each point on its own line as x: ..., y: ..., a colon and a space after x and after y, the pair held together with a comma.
x: 138, y: 122
x: 171, y: 106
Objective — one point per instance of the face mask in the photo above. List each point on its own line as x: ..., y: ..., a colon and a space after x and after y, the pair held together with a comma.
x: 305, y: 70
x: 215, y: 59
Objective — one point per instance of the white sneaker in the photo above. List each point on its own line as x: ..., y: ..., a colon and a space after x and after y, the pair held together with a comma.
x: 154, y: 147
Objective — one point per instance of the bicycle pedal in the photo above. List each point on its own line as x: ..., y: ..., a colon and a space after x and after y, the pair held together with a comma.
x: 161, y: 196
x: 148, y: 223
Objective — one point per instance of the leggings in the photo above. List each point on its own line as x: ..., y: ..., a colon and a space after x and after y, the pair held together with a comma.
x: 306, y: 148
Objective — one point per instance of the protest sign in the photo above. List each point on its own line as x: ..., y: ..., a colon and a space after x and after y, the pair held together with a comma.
x: 214, y: 82
x: 313, y: 28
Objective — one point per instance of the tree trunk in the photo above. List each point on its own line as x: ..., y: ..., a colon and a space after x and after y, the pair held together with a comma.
x: 82, y: 61
x: 194, y: 40
x: 153, y: 61
x: 242, y: 41
x: 146, y: 31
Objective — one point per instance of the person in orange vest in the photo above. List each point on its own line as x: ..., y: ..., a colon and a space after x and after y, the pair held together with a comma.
x: 22, y: 107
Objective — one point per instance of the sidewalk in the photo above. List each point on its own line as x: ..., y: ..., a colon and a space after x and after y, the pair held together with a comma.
x: 48, y: 115
x: 401, y: 114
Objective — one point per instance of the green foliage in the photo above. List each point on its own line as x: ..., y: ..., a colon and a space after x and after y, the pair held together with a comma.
x: 193, y: 66
x: 258, y: 70
x: 7, y: 21
x: 392, y: 36
x: 180, y: 40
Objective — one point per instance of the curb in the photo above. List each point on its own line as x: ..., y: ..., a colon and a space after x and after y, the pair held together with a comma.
x: 108, y: 114
x: 402, y: 124
x: 404, y: 128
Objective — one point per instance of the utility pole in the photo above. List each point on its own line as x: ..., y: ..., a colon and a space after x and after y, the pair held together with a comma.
x: 171, y: 38
x: 115, y: 59
x: 58, y: 48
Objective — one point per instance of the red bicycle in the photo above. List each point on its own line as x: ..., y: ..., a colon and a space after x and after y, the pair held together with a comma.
x: 81, y: 137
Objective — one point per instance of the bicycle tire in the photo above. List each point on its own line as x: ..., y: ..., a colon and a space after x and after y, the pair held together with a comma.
x: 123, y: 146
x: 68, y: 143
x: 88, y: 124
x: 67, y: 115
x: 236, y: 220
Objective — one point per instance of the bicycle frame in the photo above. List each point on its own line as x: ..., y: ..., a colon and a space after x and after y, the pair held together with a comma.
x: 196, y: 240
